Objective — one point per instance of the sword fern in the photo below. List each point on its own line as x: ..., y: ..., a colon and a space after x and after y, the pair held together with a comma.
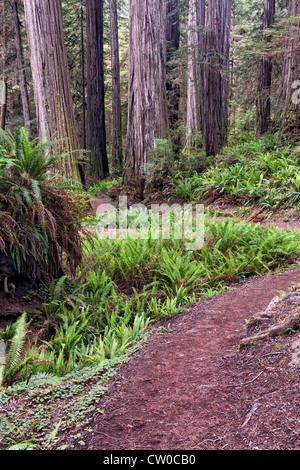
x: 14, y: 364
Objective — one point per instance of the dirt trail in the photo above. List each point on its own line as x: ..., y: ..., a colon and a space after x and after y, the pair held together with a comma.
x: 191, y: 388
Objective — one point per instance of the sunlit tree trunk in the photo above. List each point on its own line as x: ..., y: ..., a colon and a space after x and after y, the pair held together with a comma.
x: 147, y: 105
x: 196, y: 39
x: 51, y: 81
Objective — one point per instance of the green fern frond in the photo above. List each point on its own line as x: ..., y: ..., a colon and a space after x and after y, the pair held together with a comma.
x: 43, y: 379
x: 15, y: 349
x: 24, y: 446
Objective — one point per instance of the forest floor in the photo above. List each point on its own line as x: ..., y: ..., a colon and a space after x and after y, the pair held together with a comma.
x: 191, y: 386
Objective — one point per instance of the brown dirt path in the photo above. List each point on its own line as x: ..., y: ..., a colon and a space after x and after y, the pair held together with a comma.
x: 190, y: 388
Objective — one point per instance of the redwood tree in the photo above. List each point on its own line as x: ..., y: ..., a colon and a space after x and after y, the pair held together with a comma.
x: 196, y: 40
x: 263, y: 102
x: 21, y: 66
x: 3, y: 85
x: 173, y: 44
x: 96, y: 131
x: 51, y: 81
x: 117, y: 145
x: 289, y: 109
x: 216, y: 75
x: 147, y: 106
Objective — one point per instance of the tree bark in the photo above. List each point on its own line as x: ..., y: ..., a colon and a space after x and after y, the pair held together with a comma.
x: 3, y: 103
x: 51, y: 81
x: 263, y: 102
x: 96, y: 130
x: 83, y: 84
x: 20, y: 58
x: 216, y: 75
x: 196, y: 39
x: 147, y: 105
x: 288, y: 108
x: 173, y: 44
x: 117, y: 145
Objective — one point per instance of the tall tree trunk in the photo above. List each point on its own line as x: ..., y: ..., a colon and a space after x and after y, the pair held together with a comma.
x: 83, y: 85
x: 3, y: 102
x: 22, y: 75
x: 263, y: 102
x: 96, y: 131
x: 173, y: 44
x: 117, y: 145
x: 196, y: 39
x: 3, y: 88
x: 216, y: 75
x: 147, y: 106
x: 289, y: 109
x: 51, y: 81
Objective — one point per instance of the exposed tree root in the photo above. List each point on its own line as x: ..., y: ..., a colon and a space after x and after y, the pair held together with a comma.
x: 290, y: 322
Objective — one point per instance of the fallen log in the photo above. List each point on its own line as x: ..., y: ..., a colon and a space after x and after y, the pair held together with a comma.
x: 255, y: 214
x: 291, y: 322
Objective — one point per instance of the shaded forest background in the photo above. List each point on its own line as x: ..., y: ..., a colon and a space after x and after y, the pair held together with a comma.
x: 258, y: 37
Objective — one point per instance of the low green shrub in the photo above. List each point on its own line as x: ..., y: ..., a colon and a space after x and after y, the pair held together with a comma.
x: 257, y: 172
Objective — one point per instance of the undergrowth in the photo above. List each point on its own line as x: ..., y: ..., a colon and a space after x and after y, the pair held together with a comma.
x: 94, y: 321
x: 255, y: 172
x: 103, y: 186
x: 60, y: 360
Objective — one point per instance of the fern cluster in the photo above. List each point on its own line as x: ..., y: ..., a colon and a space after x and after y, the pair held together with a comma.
x: 13, y: 364
x: 249, y: 173
x: 40, y: 218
